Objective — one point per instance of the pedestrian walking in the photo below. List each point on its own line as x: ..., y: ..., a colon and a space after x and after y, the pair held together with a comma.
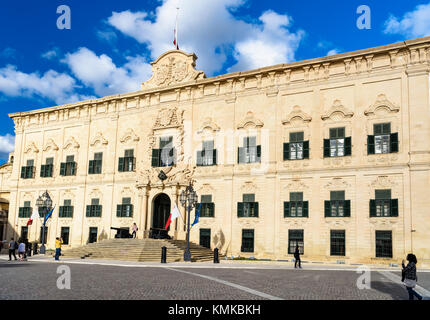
x: 134, y: 229
x: 12, y: 247
x: 409, y: 276
x: 297, y: 258
x: 21, y: 250
x: 58, y: 243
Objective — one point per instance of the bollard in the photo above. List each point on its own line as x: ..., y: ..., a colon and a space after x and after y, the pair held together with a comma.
x: 216, y: 256
x: 163, y: 254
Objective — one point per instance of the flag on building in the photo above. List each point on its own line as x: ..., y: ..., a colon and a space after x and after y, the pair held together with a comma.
x: 33, y: 217
x: 196, y: 219
x: 175, y: 213
x: 175, y: 40
x: 48, y: 215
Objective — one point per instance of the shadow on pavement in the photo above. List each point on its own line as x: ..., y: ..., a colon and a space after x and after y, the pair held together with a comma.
x: 394, y: 290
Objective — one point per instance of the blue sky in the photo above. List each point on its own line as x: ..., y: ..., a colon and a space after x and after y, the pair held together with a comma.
x: 110, y: 44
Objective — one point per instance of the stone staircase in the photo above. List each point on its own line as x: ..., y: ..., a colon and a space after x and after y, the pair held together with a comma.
x: 146, y: 250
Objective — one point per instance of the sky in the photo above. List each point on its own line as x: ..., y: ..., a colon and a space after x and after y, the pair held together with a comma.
x: 110, y: 43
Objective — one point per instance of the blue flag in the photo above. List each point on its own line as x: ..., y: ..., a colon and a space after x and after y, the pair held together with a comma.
x: 48, y: 215
x: 196, y: 220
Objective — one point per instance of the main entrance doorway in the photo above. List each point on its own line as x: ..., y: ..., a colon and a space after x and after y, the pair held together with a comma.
x: 161, y: 211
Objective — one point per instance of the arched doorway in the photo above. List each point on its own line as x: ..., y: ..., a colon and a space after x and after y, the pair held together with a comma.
x: 161, y: 211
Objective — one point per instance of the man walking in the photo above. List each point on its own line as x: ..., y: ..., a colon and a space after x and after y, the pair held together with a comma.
x: 58, y: 243
x: 12, y: 248
x: 297, y: 257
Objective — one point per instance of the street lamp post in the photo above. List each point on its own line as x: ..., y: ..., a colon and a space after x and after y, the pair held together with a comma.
x: 188, y: 199
x: 44, y: 204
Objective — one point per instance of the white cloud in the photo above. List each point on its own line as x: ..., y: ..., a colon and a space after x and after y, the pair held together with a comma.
x: 58, y: 87
x: 7, y: 143
x: 332, y: 52
x: 107, y: 35
x: 8, y: 52
x: 100, y: 72
x: 414, y: 24
x: 51, y: 54
x: 208, y: 28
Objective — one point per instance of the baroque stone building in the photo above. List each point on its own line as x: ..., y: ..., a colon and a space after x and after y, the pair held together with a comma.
x: 331, y: 154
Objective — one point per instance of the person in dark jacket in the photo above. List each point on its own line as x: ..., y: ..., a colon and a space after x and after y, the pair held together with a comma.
x: 409, y: 276
x: 297, y: 257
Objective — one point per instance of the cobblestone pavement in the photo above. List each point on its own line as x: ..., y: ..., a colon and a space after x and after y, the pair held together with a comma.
x: 36, y: 280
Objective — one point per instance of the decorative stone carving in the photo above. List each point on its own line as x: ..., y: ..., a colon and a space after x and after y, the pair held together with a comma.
x: 168, y: 118
x: 297, y: 113
x: 98, y: 139
x: 206, y: 188
x: 382, y: 103
x: 383, y: 182
x: 337, y: 184
x: 337, y: 109
x: 296, y: 184
x: 250, y: 120
x: 173, y: 67
x: 31, y: 147
x: 71, y: 143
x: 129, y: 135
x: 249, y: 187
x: 96, y: 194
x: 50, y: 145
x: 209, y: 125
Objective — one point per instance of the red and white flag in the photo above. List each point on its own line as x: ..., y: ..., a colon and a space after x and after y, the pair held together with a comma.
x: 175, y: 40
x: 175, y: 213
x: 34, y: 216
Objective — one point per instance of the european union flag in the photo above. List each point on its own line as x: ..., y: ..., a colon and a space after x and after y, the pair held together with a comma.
x: 48, y: 215
x: 196, y: 219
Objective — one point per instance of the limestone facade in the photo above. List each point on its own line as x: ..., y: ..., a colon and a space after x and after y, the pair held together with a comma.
x: 354, y: 91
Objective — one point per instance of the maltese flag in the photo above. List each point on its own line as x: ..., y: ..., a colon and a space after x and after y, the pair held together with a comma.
x: 175, y: 213
x: 34, y: 216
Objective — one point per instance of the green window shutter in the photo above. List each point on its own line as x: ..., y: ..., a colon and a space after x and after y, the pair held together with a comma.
x: 98, y: 168
x: 326, y: 148
x: 372, y: 208
x: 88, y: 211
x: 21, y: 212
x: 256, y: 209
x: 239, y: 155
x: 199, y: 158
x: 212, y: 209
x: 131, y: 210
x: 91, y: 167
x: 73, y: 168
x: 305, y: 209
x: 49, y: 170
x: 370, y: 144
x: 240, y: 209
x: 118, y: 210
x: 286, y: 151
x: 394, y: 207
x: 71, y: 212
x: 347, y: 208
x: 348, y: 146
x: 327, y: 208
x: 61, y: 212
x: 155, y: 157
x: 286, y: 209
x: 99, y: 211
x: 63, y: 169
x: 259, y: 153
x: 22, y: 172
x: 214, y: 155
x: 42, y: 171
x: 394, y: 142
x: 121, y: 165
x: 305, y: 149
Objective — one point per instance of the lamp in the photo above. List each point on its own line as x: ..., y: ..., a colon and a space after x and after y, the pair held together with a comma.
x: 188, y: 199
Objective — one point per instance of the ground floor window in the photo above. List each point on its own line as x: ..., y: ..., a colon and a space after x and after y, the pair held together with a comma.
x: 24, y: 233
x: 65, y: 231
x: 247, y: 240
x: 295, y: 238
x: 205, y: 238
x: 384, y: 244
x: 337, y: 242
x: 92, y: 235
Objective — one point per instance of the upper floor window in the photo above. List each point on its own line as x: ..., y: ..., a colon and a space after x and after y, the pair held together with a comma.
x: 208, y: 156
x: 382, y: 141
x: 95, y: 209
x: 95, y: 166
x: 338, y: 145
x: 296, y: 207
x: 127, y: 163
x: 208, y: 207
x: 25, y: 212
x: 28, y: 171
x: 68, y: 168
x: 250, y: 152
x: 47, y: 169
x: 125, y: 210
x: 66, y: 211
x: 297, y: 148
x: 337, y: 206
x: 165, y: 156
x: 383, y: 205
x: 248, y: 208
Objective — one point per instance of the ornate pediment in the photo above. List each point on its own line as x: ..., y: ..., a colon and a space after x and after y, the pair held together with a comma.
x: 382, y: 104
x: 31, y: 147
x: 71, y: 142
x: 336, y: 111
x: 383, y: 182
x: 173, y: 67
x: 208, y: 124
x: 168, y: 118
x: 249, y: 187
x: 250, y: 121
x: 298, y: 114
x: 129, y: 135
x: 337, y: 184
x: 50, y: 145
x: 98, y: 139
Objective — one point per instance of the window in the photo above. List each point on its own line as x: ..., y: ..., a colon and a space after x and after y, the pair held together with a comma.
x: 95, y: 209
x: 338, y: 145
x: 95, y: 166
x: 65, y: 232
x: 205, y: 238
x: 68, y: 168
x: 295, y: 238
x: 296, y: 149
x: 337, y: 242
x: 248, y: 208
x: 208, y: 207
x: 128, y: 162
x: 24, y: 233
x: 384, y: 244
x: 247, y: 240
x: 166, y: 155
x: 25, y: 212
x: 337, y: 206
x: 383, y: 205
x: 207, y: 157
x: 28, y: 171
x: 296, y: 207
x: 47, y: 169
x: 66, y: 211
x: 125, y: 210
x: 250, y: 152
x: 383, y: 141
x: 92, y: 236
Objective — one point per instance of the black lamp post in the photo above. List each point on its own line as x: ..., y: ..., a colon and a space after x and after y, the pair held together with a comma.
x: 44, y: 204
x: 188, y: 200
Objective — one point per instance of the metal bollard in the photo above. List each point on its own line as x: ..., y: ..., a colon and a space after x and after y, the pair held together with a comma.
x: 216, y: 256
x: 163, y: 254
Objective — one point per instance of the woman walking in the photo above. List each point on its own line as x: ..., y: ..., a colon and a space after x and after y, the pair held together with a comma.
x: 134, y: 228
x: 409, y: 273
